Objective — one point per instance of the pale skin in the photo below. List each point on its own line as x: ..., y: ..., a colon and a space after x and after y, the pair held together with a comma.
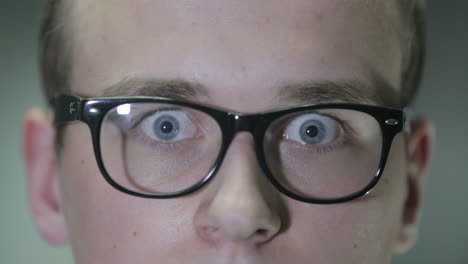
x: 241, y: 52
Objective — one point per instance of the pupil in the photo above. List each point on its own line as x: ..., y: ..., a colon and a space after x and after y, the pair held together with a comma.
x: 166, y: 127
x: 312, y: 131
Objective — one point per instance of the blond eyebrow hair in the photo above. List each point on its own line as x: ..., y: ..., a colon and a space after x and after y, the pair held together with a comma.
x: 350, y: 91
x: 303, y: 93
x: 177, y: 89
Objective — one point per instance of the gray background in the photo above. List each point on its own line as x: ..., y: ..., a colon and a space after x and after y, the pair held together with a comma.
x: 444, y: 233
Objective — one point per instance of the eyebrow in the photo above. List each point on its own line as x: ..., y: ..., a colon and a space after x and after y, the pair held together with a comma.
x: 310, y: 92
x: 349, y: 91
x: 176, y: 89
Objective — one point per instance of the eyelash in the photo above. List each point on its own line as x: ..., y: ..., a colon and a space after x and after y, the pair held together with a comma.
x: 138, y: 119
x: 345, y: 138
x: 163, y: 146
x: 322, y: 150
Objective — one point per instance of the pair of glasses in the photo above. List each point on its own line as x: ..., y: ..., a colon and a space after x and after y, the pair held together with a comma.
x: 156, y: 147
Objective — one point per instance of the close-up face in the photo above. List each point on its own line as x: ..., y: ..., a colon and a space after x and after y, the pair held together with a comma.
x: 242, y: 57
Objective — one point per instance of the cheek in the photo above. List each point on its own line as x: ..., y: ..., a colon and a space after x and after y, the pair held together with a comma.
x: 106, y: 225
x: 357, y: 232
x: 361, y: 231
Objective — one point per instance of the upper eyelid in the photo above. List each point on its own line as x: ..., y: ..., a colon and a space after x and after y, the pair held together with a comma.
x: 137, y: 120
x: 345, y: 125
x: 321, y: 114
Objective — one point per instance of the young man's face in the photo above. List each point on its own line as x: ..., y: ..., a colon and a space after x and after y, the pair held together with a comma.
x: 243, y: 53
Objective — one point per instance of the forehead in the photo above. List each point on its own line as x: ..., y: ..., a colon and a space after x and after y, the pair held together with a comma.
x: 254, y: 44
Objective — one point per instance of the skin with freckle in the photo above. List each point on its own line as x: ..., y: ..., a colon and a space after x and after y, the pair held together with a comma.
x: 241, y: 51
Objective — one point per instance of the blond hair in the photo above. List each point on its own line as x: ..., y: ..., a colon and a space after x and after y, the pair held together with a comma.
x: 56, y: 64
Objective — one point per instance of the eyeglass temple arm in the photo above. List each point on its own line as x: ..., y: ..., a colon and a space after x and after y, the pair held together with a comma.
x: 67, y: 108
x: 408, y: 115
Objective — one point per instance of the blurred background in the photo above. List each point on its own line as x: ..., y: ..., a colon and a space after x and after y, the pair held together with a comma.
x: 443, y: 98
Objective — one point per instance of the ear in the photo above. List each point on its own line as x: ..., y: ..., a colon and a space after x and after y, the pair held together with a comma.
x: 40, y: 162
x: 419, y: 155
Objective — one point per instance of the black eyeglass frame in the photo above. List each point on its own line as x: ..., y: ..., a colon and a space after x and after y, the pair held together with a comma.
x: 92, y: 111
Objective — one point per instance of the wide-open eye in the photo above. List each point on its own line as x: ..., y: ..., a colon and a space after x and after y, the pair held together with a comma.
x: 313, y: 129
x: 167, y: 126
x: 325, y: 153
x: 158, y: 148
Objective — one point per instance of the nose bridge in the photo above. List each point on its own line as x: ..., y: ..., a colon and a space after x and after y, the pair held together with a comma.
x: 241, y: 168
x: 242, y: 156
x: 244, y: 207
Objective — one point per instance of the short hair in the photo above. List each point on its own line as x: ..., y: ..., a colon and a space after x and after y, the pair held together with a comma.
x: 56, y: 65
x: 54, y: 54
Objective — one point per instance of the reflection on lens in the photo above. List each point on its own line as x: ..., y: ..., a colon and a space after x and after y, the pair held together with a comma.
x: 325, y: 154
x: 156, y: 148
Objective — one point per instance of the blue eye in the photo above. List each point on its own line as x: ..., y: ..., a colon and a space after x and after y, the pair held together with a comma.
x: 313, y: 132
x: 313, y: 129
x: 168, y: 126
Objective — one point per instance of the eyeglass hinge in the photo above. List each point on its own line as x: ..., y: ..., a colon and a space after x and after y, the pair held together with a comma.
x: 73, y: 108
x: 67, y: 108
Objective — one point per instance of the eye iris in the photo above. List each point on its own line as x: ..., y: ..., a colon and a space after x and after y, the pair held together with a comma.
x: 166, y: 127
x: 312, y: 132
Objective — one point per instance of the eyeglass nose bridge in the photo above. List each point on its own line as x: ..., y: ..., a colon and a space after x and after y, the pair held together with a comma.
x: 238, y: 122
x: 242, y: 122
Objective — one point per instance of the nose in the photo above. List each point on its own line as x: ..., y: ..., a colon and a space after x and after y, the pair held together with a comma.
x: 241, y: 205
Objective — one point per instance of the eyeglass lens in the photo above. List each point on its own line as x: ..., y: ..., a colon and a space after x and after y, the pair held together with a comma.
x: 158, y: 148
x: 324, y: 154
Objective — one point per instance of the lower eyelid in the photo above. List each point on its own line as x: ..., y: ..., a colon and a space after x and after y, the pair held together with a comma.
x: 169, y: 146
x: 137, y: 131
x: 318, y: 149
